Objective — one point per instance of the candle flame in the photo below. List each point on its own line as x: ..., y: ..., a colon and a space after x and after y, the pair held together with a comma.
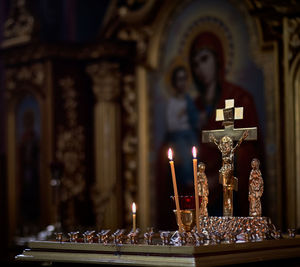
x: 170, y: 154
x: 133, y: 208
x: 194, y: 152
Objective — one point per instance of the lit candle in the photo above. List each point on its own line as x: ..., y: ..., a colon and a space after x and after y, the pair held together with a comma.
x: 133, y: 217
x: 170, y: 156
x: 196, y: 188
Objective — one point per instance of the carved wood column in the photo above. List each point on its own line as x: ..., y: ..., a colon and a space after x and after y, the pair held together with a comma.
x: 107, y: 142
x: 291, y: 45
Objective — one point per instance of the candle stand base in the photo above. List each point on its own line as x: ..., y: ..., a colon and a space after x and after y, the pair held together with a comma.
x: 206, y: 254
x: 231, y: 229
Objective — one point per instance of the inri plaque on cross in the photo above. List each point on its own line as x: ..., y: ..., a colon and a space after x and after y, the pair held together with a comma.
x: 223, y: 139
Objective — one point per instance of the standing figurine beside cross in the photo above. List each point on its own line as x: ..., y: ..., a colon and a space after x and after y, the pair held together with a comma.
x: 223, y: 139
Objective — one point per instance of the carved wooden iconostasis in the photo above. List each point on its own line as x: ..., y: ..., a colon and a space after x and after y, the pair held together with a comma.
x: 99, y: 110
x: 64, y: 114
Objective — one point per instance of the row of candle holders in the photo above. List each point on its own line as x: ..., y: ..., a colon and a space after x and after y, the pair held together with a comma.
x: 120, y: 236
x: 214, y: 230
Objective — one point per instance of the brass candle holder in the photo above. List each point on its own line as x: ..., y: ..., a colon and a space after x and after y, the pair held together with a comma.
x: 188, y: 218
x: 187, y: 211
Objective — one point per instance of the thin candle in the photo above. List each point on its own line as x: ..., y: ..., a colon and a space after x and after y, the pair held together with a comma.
x: 194, y: 151
x: 133, y: 217
x: 170, y: 156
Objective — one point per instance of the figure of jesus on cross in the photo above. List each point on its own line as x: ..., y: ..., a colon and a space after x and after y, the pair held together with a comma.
x: 223, y: 139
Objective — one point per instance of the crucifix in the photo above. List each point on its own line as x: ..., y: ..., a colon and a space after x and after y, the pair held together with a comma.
x: 223, y: 139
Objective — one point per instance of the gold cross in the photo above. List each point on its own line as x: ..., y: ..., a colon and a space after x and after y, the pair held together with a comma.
x: 223, y: 139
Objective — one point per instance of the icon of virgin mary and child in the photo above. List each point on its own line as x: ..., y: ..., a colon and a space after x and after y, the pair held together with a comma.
x: 187, y: 115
